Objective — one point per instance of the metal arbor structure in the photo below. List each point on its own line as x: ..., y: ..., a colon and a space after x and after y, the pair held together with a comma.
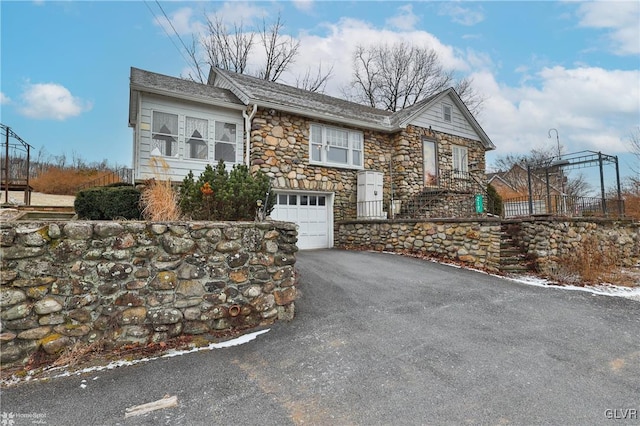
x: 16, y: 160
x: 569, y: 205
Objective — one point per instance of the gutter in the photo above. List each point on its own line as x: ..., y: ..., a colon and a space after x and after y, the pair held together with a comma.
x: 247, y: 130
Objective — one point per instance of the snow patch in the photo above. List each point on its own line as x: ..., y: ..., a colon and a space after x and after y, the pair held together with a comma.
x: 122, y: 363
x: 604, y: 289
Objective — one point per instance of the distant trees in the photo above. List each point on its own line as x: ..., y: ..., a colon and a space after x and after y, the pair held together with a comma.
x: 540, y: 162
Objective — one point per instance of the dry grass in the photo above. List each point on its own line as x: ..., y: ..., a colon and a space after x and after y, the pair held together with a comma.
x: 592, y: 262
x: 632, y: 206
x: 159, y: 200
x: 64, y: 181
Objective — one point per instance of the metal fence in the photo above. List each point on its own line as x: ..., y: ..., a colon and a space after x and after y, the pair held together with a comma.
x: 563, y: 205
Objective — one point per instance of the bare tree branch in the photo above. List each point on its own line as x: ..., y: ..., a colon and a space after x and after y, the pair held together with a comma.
x: 279, y: 49
x: 225, y: 48
x: 196, y: 64
x: 315, y: 83
x: 397, y: 76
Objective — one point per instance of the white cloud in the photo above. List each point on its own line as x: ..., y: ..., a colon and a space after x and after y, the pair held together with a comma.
x: 619, y: 18
x: 592, y: 109
x: 4, y: 99
x: 303, y: 5
x: 405, y: 19
x: 241, y: 12
x: 51, y: 101
x: 182, y: 20
x: 337, y: 45
x: 462, y: 15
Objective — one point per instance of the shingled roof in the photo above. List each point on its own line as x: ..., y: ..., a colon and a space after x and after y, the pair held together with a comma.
x: 269, y: 94
x: 236, y: 91
x: 151, y: 82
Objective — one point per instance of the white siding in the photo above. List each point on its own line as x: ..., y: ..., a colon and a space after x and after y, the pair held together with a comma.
x: 179, y: 167
x: 459, y: 126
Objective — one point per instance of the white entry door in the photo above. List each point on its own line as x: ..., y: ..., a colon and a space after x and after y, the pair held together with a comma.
x: 311, y: 212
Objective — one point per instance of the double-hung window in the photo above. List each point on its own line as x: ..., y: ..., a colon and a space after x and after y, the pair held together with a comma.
x: 446, y: 113
x: 460, y: 161
x: 197, y: 130
x: 164, y: 135
x: 225, y: 142
x: 334, y: 146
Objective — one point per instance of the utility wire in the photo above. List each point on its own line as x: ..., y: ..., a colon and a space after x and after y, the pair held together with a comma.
x: 174, y: 30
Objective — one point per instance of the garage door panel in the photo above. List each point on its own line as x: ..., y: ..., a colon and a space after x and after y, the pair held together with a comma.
x: 310, y: 213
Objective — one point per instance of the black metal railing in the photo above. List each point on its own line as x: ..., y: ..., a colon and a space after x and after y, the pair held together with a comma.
x: 563, y: 205
x: 120, y: 175
x: 453, y: 181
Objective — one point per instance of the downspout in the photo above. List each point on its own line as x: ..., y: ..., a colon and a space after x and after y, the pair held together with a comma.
x: 247, y: 130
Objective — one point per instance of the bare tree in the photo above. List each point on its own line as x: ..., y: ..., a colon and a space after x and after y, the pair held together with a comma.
x: 224, y: 47
x: 231, y: 47
x: 316, y: 82
x: 634, y: 143
x: 540, y: 162
x: 393, y: 77
x: 279, y: 49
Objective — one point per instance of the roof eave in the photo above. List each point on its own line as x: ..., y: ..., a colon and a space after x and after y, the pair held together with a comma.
x: 196, y: 98
x: 326, y: 117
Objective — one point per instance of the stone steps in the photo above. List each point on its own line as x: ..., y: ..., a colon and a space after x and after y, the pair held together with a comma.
x: 512, y: 259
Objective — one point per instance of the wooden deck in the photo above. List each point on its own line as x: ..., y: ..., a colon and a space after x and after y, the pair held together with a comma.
x: 16, y: 185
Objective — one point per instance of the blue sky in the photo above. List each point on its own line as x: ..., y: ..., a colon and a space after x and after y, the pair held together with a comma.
x: 572, y: 66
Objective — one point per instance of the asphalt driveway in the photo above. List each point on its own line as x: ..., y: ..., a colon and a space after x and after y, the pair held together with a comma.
x: 382, y: 339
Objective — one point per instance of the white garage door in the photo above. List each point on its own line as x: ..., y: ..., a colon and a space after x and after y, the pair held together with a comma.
x: 312, y: 215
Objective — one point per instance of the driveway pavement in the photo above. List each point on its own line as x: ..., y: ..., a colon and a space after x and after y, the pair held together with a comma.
x: 381, y: 339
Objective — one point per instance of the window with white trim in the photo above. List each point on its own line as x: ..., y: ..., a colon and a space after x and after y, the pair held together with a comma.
x: 225, y: 142
x: 446, y: 112
x: 197, y: 130
x: 334, y: 146
x: 460, y: 161
x: 164, y: 135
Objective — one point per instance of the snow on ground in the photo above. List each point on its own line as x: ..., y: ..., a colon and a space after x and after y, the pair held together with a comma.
x: 64, y: 372
x: 632, y: 293
x: 603, y: 289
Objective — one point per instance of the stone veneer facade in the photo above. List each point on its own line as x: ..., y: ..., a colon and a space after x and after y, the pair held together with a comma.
x: 138, y: 282
x: 280, y: 148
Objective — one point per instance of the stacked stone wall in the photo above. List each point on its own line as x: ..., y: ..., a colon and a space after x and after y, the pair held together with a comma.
x: 476, y: 243
x: 137, y: 282
x: 548, y: 241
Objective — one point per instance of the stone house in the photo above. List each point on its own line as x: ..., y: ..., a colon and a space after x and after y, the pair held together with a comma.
x: 329, y: 159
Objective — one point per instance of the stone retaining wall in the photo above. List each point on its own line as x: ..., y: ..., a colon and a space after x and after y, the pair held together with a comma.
x: 138, y: 282
x: 548, y: 240
x: 476, y: 242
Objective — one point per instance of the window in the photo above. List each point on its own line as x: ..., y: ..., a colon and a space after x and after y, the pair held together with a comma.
x: 225, y: 142
x: 460, y: 161
x: 197, y: 132
x: 430, y: 162
x: 164, y: 136
x: 446, y: 112
x: 335, y: 146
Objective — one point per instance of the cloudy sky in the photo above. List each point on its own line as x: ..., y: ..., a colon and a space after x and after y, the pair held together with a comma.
x: 569, y: 66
